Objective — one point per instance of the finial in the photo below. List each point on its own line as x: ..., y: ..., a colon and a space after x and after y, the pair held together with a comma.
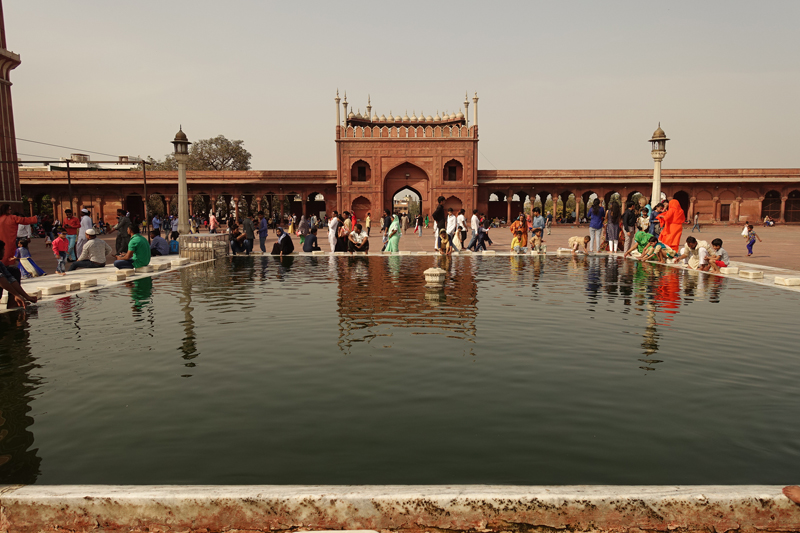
x: 181, y: 126
x: 337, y: 91
x: 659, y: 123
x: 368, y: 102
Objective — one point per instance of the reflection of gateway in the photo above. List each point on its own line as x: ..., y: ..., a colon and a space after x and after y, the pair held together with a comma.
x: 376, y: 296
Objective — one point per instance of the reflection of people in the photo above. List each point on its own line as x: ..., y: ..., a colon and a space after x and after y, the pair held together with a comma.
x: 142, y: 291
x: 138, y: 254
x: 284, y: 246
x: 94, y: 252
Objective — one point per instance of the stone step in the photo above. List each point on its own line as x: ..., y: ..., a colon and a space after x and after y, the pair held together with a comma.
x: 146, y: 268
x: 729, y: 270
x: 117, y: 276
x: 53, y: 289
x: 489, y: 252
x: 751, y: 274
x: 181, y: 261
x: 86, y: 283
x: 73, y: 285
x: 789, y: 282
x: 318, y: 252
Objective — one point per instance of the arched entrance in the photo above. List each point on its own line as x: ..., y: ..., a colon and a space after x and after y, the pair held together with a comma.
x: 792, y: 209
x: 455, y: 203
x: 683, y: 199
x: 771, y: 206
x: 407, y: 201
x: 498, y: 208
x: 360, y: 207
x: 135, y: 206
x: 408, y: 176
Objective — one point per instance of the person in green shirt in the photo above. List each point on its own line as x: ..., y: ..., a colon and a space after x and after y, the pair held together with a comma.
x: 640, y: 240
x: 138, y: 254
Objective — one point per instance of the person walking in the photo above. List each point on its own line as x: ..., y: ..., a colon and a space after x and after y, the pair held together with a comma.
x: 71, y: 225
x: 263, y: 231
x: 418, y: 225
x: 474, y: 224
x: 333, y: 230
x: 393, y: 235
x: 368, y: 222
x: 439, y: 221
x: 212, y: 223
x: 86, y: 223
x: 696, y: 223
x: 122, y: 225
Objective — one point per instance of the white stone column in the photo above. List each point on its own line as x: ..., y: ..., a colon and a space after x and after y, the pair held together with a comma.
x: 183, y: 195
x: 655, y: 198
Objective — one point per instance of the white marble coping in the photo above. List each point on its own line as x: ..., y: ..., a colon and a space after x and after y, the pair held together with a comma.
x: 395, y: 508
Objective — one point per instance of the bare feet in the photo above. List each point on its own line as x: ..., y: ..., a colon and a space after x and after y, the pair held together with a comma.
x: 793, y: 493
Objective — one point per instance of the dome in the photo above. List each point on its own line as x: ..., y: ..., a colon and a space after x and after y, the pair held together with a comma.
x: 383, y: 118
x: 180, y: 136
x: 398, y: 118
x: 374, y: 118
x: 351, y: 115
x: 414, y: 117
x: 429, y: 119
x: 358, y: 115
x: 459, y: 115
x: 452, y: 116
x: 659, y: 134
x: 405, y: 117
x: 437, y: 118
x: 391, y: 117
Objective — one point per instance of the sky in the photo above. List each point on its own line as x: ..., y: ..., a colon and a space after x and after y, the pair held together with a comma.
x: 562, y: 84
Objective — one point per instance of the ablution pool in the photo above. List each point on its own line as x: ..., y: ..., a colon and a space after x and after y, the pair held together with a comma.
x: 347, y: 370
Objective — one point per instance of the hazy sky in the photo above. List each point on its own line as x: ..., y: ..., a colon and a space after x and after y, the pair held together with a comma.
x: 562, y: 84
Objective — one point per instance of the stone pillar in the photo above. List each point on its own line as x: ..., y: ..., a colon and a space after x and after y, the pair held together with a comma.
x: 30, y: 206
x: 260, y: 197
x: 305, y: 199
x: 737, y: 206
x: 281, y: 198
x: 183, y: 195
x: 55, y: 212
x: 213, y: 207
x: 236, y: 206
x: 100, y: 210
x: 715, y: 216
x: 509, y: 196
x: 783, y: 208
x: 690, y: 214
x: 167, y: 201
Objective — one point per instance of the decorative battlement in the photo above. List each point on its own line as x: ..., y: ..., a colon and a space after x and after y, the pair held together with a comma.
x: 387, y: 131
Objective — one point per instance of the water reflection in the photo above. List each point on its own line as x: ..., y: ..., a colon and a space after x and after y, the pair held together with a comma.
x: 188, y: 346
x: 19, y: 460
x: 375, y: 296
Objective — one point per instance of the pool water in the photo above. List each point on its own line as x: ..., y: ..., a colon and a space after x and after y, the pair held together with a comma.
x: 346, y: 370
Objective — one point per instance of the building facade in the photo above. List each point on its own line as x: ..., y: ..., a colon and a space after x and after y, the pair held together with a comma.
x: 9, y: 174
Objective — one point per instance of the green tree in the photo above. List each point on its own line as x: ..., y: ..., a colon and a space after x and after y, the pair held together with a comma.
x: 217, y: 153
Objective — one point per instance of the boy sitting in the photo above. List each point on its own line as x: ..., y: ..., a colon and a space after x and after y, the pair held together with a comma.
x: 536, y: 244
x: 516, y: 243
x: 719, y: 257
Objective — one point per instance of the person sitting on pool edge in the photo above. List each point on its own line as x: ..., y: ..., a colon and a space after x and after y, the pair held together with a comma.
x: 358, y: 240
x: 9, y: 281
x: 158, y: 244
x: 284, y: 246
x: 694, y: 254
x: 138, y: 254
x: 577, y: 241
x: 719, y: 257
x: 311, y: 244
x: 657, y: 251
x: 94, y: 252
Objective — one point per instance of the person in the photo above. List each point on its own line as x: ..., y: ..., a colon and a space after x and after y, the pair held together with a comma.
x: 24, y: 232
x: 60, y: 247
x: 71, y: 225
x: 576, y: 242
x: 156, y: 222
x: 474, y: 223
x: 483, y: 236
x: 86, y: 223
x: 27, y: 268
x: 452, y: 225
x: 404, y: 223
x: 358, y: 240
x: 537, y: 240
x: 719, y: 257
x: 302, y: 229
x: 418, y: 225
x: 439, y: 219
x: 517, y: 245
x: 9, y: 281
x: 751, y: 239
x: 174, y: 245
x: 549, y: 222
x: 640, y: 240
x: 263, y: 231
x: 445, y: 247
x: 138, y: 254
x: 461, y: 221
x: 613, y: 219
x: 311, y: 241
x: 344, y: 231
x: 656, y: 251
x: 368, y: 222
x: 628, y: 225
x: 386, y: 221
x: 284, y: 246
x: 694, y: 254
x: 520, y: 226
x: 158, y: 244
x: 596, y: 216
x: 249, y: 234
x: 393, y: 235
x: 213, y: 224
x: 696, y: 223
x: 94, y: 252
x: 537, y: 220
x: 237, y: 239
x: 174, y: 223
x: 122, y: 225
x: 427, y: 221
x: 333, y: 230
x: 655, y: 224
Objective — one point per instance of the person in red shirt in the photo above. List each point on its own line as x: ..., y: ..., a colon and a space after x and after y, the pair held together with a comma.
x: 8, y: 232
x: 71, y: 225
x: 60, y: 247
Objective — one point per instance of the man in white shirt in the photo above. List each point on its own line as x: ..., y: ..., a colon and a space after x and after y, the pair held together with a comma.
x: 86, y: 223
x: 358, y: 240
x: 461, y: 221
x: 452, y: 223
x: 473, y: 224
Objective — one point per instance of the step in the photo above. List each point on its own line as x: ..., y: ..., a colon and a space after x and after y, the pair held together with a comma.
x: 53, y: 289
x: 181, y: 261
x: 86, y: 283
x: 729, y: 270
x: 404, y: 252
x: 162, y: 266
x: 146, y: 268
x: 318, y: 252
x: 73, y: 285
x: 789, y: 282
x: 489, y: 252
x: 751, y: 274
x: 129, y: 272
x: 117, y: 276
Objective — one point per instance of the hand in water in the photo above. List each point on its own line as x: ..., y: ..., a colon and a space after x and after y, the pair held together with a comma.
x: 793, y: 493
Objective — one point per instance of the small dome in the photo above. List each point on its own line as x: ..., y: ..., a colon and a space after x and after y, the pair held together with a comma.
x: 351, y: 115
x: 374, y: 118
x: 414, y: 117
x: 459, y: 115
x: 358, y: 115
x: 429, y: 119
x: 659, y: 133
x: 437, y: 118
x: 383, y: 118
x: 398, y: 118
x: 452, y: 116
x: 405, y: 117
x: 180, y: 136
x: 391, y: 117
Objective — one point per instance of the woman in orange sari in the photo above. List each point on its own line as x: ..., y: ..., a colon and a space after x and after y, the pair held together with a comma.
x: 672, y: 224
x: 522, y: 226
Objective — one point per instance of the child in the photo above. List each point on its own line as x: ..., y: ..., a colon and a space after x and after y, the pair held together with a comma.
x: 516, y: 243
x: 751, y: 239
x: 445, y: 248
x: 656, y: 251
x: 719, y: 258
x: 60, y: 248
x: 483, y: 236
x: 536, y: 244
x: 576, y: 242
x: 27, y: 268
x: 174, y: 247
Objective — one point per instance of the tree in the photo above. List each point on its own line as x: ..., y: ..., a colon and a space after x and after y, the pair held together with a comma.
x: 217, y: 153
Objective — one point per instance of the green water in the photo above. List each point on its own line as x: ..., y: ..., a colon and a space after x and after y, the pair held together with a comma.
x: 347, y: 371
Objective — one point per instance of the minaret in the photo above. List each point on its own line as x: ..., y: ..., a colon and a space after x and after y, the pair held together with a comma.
x: 369, y: 109
x: 344, y: 103
x: 475, y: 101
x: 337, y: 100
x: 466, y: 108
x: 9, y: 171
x: 658, y: 150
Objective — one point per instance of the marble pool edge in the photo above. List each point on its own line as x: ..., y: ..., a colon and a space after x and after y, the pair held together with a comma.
x: 393, y: 508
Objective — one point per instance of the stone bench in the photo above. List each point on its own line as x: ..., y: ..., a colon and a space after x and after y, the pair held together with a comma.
x: 788, y: 282
x: 729, y: 270
x: 751, y: 274
x: 50, y: 290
